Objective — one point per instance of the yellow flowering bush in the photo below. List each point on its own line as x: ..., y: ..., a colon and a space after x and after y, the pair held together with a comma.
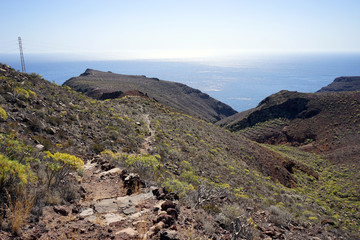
x: 24, y: 93
x: 3, y: 114
x: 21, y: 92
x: 145, y: 162
x: 12, y: 172
x: 59, y: 165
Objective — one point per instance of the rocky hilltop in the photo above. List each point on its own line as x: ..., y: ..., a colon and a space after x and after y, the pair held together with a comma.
x: 343, y: 84
x: 323, y: 122
x: 107, y: 85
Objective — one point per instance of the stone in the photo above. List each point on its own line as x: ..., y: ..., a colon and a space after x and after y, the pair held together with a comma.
x: 61, y: 210
x: 87, y: 212
x: 160, y: 193
x: 110, y: 172
x: 50, y: 130
x: 167, y: 219
x: 166, y: 234
x: 137, y: 215
x: 82, y: 189
x: 129, y: 211
x: 133, y: 183
x: 154, y: 230
x: 107, y: 166
x: 133, y: 200
x: 129, y: 231
x: 39, y: 147
x: 157, y: 206
x: 106, y: 205
x: 327, y: 221
x: 112, y: 218
x: 75, y: 210
x: 173, y: 212
x: 168, y: 204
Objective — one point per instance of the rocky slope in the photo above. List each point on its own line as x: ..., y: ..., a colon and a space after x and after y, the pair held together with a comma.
x: 322, y: 122
x: 325, y: 124
x: 114, y: 204
x: 221, y: 184
x: 107, y: 85
x: 343, y: 84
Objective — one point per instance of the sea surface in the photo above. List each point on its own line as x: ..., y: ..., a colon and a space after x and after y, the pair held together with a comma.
x: 241, y: 82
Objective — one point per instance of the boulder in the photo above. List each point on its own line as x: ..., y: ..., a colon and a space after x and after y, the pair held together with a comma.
x: 61, y: 210
x: 167, y: 234
x: 133, y: 183
x: 165, y: 218
x: 173, y: 212
x: 168, y: 204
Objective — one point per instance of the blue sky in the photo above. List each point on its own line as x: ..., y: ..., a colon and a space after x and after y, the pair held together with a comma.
x: 128, y: 29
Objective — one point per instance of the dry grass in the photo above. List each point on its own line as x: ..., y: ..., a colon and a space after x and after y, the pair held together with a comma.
x: 20, y: 207
x: 142, y: 227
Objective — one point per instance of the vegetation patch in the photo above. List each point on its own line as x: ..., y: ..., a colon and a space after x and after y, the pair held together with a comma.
x: 3, y: 114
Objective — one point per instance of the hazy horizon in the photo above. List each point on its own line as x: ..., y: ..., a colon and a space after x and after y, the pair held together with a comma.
x: 125, y: 30
x: 242, y: 83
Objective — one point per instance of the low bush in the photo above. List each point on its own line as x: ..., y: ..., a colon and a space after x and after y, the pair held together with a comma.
x: 280, y: 217
x: 20, y: 208
x: 59, y: 165
x: 3, y: 114
x: 13, y: 172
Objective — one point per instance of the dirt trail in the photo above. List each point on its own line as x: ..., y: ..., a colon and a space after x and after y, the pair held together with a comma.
x: 113, y: 204
x: 148, y: 141
x: 104, y: 211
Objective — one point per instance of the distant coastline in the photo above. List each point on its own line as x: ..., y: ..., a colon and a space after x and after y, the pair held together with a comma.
x: 239, y: 82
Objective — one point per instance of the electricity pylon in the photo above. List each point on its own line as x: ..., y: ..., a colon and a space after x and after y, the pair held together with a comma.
x: 23, y: 69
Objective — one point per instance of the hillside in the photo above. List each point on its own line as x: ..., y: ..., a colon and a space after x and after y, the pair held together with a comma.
x: 327, y: 123
x: 105, y: 85
x: 220, y: 184
x: 343, y: 84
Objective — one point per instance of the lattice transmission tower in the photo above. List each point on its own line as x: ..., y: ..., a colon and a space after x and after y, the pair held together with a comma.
x: 23, y: 68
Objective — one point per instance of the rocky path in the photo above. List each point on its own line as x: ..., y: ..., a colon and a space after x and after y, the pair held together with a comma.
x: 147, y: 145
x: 114, y: 205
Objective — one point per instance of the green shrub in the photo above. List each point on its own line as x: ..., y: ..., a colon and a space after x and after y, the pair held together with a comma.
x: 60, y: 165
x: 12, y: 172
x: 178, y: 187
x: 3, y: 114
x: 144, y: 162
x: 21, y: 93
x: 97, y: 148
x: 141, y: 163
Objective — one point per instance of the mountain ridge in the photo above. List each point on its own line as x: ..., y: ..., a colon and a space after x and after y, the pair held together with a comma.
x: 177, y: 95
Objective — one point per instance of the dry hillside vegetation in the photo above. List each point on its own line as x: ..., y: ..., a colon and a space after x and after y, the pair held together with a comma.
x: 227, y: 185
x: 326, y: 123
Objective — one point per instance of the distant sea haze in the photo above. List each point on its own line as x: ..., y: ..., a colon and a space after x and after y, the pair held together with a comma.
x: 240, y: 82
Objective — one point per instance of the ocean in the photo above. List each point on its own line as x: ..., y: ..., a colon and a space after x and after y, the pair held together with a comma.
x: 241, y: 82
